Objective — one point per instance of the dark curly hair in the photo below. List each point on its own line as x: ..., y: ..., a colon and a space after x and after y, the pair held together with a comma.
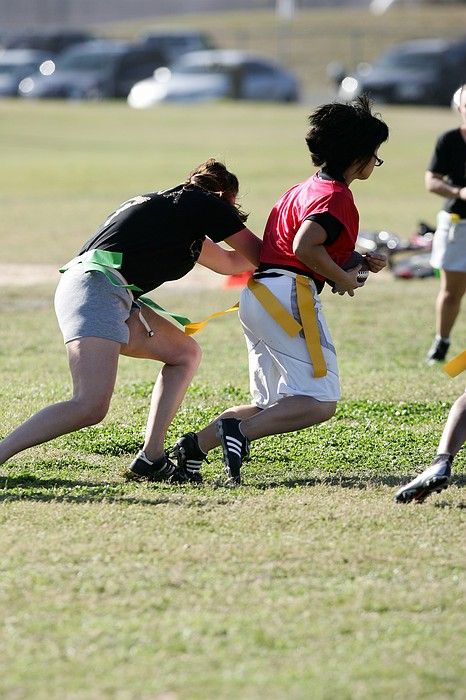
x: 213, y: 176
x: 343, y: 134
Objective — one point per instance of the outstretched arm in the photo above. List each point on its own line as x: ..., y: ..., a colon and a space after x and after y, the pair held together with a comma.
x: 243, y: 257
x: 246, y: 243
x: 223, y: 261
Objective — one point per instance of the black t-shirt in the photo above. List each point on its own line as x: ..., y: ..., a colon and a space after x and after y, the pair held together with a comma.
x: 161, y: 233
x: 331, y: 225
x: 449, y: 160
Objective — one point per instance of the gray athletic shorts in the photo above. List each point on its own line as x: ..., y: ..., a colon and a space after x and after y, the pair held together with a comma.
x: 87, y: 304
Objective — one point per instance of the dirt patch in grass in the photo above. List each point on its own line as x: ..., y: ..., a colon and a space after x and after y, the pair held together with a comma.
x: 25, y: 275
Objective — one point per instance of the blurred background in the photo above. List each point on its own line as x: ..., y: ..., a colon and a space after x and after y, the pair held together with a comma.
x: 303, y: 50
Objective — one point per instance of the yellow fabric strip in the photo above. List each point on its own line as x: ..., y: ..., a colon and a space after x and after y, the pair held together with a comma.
x: 194, y: 327
x: 289, y: 324
x: 311, y: 329
x: 271, y: 304
x: 456, y: 365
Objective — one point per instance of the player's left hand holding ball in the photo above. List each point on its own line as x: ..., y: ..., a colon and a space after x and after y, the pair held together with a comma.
x: 375, y: 261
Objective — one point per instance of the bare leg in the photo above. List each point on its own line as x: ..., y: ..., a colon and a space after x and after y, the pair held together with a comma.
x: 436, y: 476
x: 288, y: 414
x: 452, y: 289
x: 93, y: 364
x: 181, y: 356
x: 207, y: 437
x: 454, y: 432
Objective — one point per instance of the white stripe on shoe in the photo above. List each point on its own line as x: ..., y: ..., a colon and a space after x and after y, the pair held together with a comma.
x: 233, y: 445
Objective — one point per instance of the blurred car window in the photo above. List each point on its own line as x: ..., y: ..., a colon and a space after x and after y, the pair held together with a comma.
x: 15, y: 64
x: 93, y: 70
x: 53, y: 42
x: 421, y: 71
x: 175, y: 43
x: 407, y: 60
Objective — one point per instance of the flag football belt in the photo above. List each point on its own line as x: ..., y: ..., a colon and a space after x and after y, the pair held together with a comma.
x: 456, y: 365
x: 289, y: 324
x: 109, y: 263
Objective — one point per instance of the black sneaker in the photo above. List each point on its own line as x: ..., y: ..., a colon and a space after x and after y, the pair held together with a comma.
x: 432, y: 480
x: 189, y: 456
x: 163, y: 469
x: 235, y: 448
x: 438, y: 351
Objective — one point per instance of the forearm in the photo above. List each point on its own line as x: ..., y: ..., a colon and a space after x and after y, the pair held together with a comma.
x: 233, y: 263
x: 223, y: 261
x: 437, y: 185
x: 246, y: 244
x: 318, y: 260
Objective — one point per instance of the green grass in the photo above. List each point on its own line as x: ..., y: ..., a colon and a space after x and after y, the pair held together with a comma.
x: 306, y: 582
x: 66, y: 165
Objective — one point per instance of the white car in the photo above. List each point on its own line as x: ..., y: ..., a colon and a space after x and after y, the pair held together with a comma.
x: 209, y: 75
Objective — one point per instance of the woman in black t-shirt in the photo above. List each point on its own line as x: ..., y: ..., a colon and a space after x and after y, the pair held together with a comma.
x: 446, y: 177
x: 148, y: 240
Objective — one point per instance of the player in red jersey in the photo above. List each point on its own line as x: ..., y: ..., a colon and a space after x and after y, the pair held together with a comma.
x: 310, y: 233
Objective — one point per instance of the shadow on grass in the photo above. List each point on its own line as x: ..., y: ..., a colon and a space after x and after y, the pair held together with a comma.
x: 51, y: 490
x: 354, y: 481
x: 35, y: 489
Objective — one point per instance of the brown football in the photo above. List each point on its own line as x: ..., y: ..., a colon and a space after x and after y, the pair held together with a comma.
x: 357, y: 259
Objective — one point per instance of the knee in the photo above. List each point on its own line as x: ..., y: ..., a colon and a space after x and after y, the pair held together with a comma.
x: 460, y: 405
x: 327, y: 410
x: 90, y: 412
x: 189, y: 354
x: 452, y: 297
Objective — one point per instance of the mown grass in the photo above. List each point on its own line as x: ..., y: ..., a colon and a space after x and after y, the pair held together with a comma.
x: 65, y: 164
x: 306, y: 582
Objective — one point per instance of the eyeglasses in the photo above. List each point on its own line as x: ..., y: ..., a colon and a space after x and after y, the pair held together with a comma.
x: 378, y: 161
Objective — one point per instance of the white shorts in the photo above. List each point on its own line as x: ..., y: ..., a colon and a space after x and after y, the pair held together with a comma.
x: 449, y: 244
x: 280, y: 365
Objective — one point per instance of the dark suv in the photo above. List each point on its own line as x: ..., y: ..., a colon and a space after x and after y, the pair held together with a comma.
x: 94, y: 70
x: 422, y: 71
x: 53, y: 42
x: 173, y: 43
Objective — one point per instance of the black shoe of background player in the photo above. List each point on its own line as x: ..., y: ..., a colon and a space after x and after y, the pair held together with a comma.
x: 189, y: 456
x: 432, y: 480
x: 438, y: 351
x: 163, y: 469
x: 235, y: 448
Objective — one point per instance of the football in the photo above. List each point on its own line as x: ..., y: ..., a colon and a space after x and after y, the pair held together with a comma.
x: 357, y: 259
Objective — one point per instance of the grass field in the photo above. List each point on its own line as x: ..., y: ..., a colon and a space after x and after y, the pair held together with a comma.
x: 308, y: 582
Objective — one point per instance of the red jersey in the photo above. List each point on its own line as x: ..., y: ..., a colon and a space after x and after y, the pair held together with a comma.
x: 314, y: 196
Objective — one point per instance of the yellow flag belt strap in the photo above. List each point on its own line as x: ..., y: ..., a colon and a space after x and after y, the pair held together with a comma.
x: 456, y: 365
x: 289, y: 324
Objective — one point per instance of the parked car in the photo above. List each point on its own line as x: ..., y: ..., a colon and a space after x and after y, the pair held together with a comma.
x: 423, y: 71
x: 16, y: 64
x: 94, y: 70
x: 53, y: 42
x: 209, y: 75
x: 173, y: 43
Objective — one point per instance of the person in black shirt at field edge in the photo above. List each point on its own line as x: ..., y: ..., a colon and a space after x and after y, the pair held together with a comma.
x: 446, y: 176
x: 147, y: 241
